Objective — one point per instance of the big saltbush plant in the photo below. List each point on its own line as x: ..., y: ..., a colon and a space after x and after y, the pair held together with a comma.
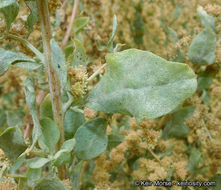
x: 136, y: 83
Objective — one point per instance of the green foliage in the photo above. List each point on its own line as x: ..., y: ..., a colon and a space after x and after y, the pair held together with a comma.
x: 47, y: 141
x: 12, y: 143
x: 206, y: 19
x: 58, y: 63
x: 205, y: 79
x: 31, y: 101
x: 217, y: 179
x: 79, y: 24
x: 63, y: 156
x: 79, y: 54
x: 91, y: 139
x: 203, y: 48
x: 114, y: 30
x: 49, y: 183
x: 142, y: 84
x: 14, y: 118
x: 33, y: 16
x: 46, y: 107
x: 175, y: 126
x: 33, y: 175
x: 37, y: 162
x: 72, y: 121
x: 10, y: 9
x: 9, y: 57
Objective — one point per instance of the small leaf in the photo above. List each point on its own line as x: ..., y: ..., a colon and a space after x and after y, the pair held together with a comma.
x: 33, y: 175
x: 173, y: 35
x: 28, y: 65
x: 194, y: 160
x: 206, y: 19
x: 203, y: 48
x: 31, y: 101
x: 142, y: 84
x: 37, y: 162
x: 49, y: 183
x: 205, y: 79
x: 12, y: 143
x: 79, y: 24
x: 58, y: 63
x: 15, y: 118
x: 10, y: 9
x: 33, y: 16
x: 9, y: 57
x: 62, y: 157
x: 79, y: 53
x: 72, y: 121
x: 114, y: 30
x: 69, y: 145
x: 175, y: 126
x: 91, y: 139
x: 46, y: 107
x: 50, y: 135
x: 75, y: 176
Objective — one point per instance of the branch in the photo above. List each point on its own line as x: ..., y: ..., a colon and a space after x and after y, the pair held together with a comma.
x: 68, y: 32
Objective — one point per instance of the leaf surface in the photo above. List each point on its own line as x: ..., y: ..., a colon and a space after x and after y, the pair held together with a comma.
x: 203, y: 48
x: 91, y: 139
x: 12, y: 142
x: 142, y: 84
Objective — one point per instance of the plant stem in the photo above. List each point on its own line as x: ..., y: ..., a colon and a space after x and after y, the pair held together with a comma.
x: 54, y: 84
x: 68, y: 32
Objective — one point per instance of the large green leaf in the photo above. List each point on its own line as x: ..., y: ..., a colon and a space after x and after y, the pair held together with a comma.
x: 9, y: 57
x: 72, y: 121
x: 33, y: 175
x: 203, y: 48
x: 31, y: 101
x: 50, y: 135
x: 12, y: 143
x: 206, y: 19
x: 142, y: 84
x: 49, y: 183
x: 175, y: 126
x: 91, y: 139
x: 10, y: 9
x: 58, y: 63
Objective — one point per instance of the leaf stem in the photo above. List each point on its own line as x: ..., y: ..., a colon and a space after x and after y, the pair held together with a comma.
x: 54, y: 83
x: 96, y: 73
x: 68, y: 32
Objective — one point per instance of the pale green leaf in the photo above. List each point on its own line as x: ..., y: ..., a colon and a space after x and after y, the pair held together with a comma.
x: 33, y: 16
x: 194, y: 160
x: 114, y: 30
x: 62, y: 157
x: 49, y: 183
x: 58, y: 63
x: 31, y: 101
x: 203, y: 48
x: 37, y: 162
x: 46, y: 107
x: 91, y: 139
x: 75, y: 176
x: 28, y: 65
x: 79, y: 24
x: 206, y: 19
x: 12, y: 142
x: 72, y: 121
x: 68, y: 145
x: 175, y: 126
x: 50, y: 135
x: 10, y: 9
x: 142, y: 84
x: 9, y: 57
x: 33, y: 175
x: 79, y: 53
x: 14, y: 118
